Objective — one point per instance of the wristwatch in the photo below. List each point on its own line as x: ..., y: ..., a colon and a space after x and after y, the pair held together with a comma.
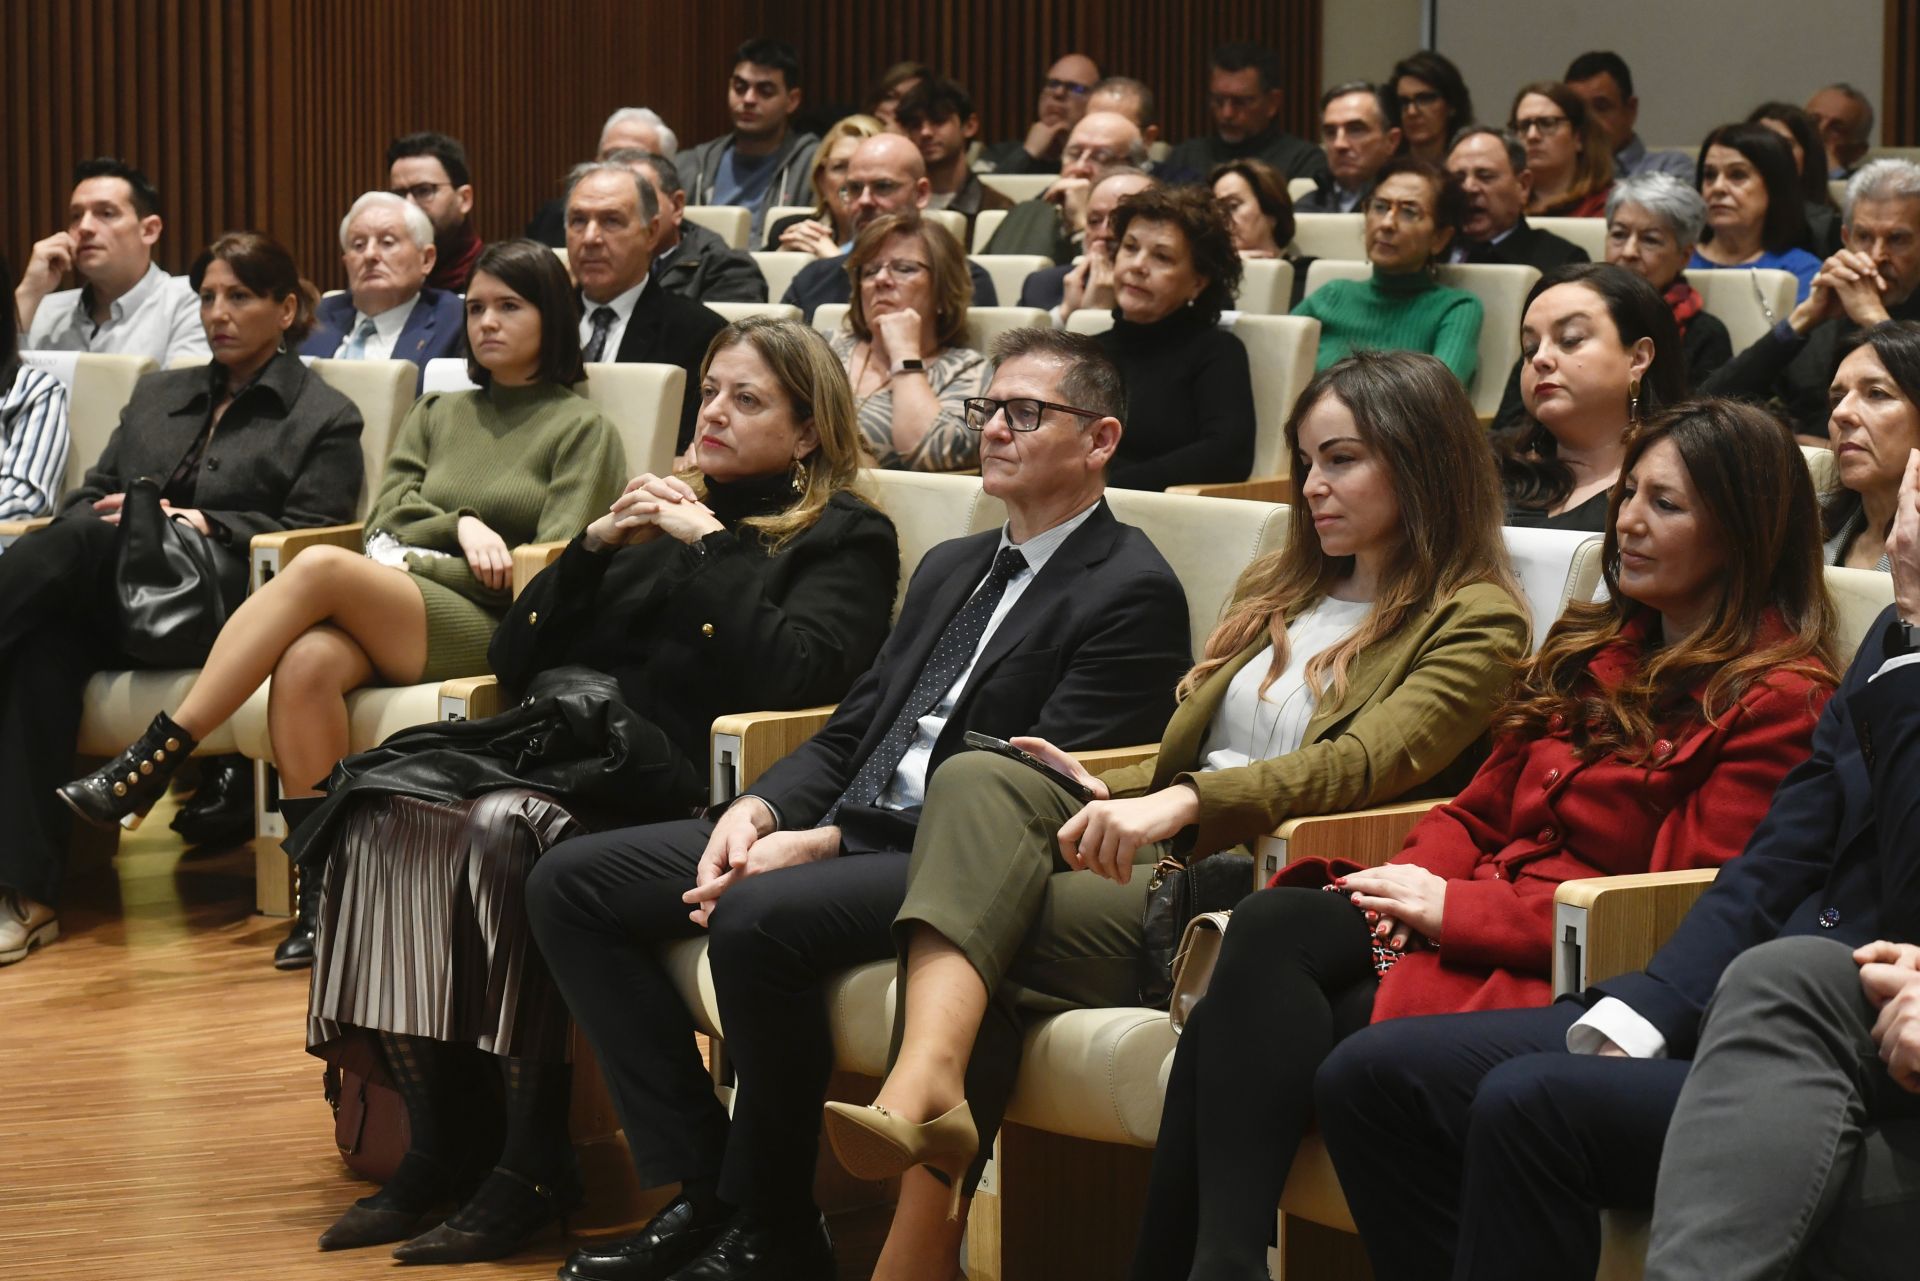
x: 1906, y: 636
x: 911, y: 367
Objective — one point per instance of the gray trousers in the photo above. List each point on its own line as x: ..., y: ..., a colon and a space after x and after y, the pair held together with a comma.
x: 1792, y: 1153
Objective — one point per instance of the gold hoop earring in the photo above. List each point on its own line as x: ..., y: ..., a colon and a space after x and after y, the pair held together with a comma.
x: 798, y: 476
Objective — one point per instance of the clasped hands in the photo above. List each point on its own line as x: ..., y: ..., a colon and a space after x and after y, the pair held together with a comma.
x: 649, y: 507
x: 1847, y: 283
x: 1890, y: 977
x: 746, y: 842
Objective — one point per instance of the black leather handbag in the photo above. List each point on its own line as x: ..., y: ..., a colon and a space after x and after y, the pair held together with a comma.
x: 167, y: 579
x: 1177, y: 893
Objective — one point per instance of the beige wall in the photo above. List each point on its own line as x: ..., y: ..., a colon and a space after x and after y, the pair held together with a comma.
x: 1362, y: 39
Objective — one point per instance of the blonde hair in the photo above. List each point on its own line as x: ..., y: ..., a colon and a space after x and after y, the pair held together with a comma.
x: 815, y: 385
x: 854, y: 126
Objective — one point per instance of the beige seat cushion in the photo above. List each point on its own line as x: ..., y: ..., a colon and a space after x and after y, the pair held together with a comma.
x: 1095, y: 1074
x: 372, y: 715
x: 860, y: 1004
x: 118, y: 707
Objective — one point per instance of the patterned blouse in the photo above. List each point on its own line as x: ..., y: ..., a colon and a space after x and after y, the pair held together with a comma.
x: 955, y: 374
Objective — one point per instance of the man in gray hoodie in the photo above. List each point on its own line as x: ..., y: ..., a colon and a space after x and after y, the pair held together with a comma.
x: 764, y: 161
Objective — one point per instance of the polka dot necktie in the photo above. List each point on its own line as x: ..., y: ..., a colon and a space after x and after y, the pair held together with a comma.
x: 949, y: 658
x: 602, y: 318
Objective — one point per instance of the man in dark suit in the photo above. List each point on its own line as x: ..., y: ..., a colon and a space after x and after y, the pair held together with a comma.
x: 1493, y: 1139
x: 1063, y: 623
x: 885, y: 175
x: 1491, y: 168
x: 1359, y: 136
x: 1244, y: 93
x: 388, y: 312
x: 688, y: 259
x: 613, y: 220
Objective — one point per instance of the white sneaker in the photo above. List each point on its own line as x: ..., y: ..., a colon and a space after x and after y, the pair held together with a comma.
x: 24, y: 925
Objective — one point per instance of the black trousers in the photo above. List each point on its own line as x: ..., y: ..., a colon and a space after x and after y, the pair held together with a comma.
x: 1294, y: 977
x: 600, y: 906
x: 1476, y: 1146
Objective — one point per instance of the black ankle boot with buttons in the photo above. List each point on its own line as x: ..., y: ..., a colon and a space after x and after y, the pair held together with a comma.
x: 125, y: 788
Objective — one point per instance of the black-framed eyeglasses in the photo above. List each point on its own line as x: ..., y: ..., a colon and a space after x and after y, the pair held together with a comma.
x: 1023, y: 412
x: 882, y: 189
x: 1073, y: 87
x: 419, y: 192
x: 1419, y: 101
x: 1546, y: 126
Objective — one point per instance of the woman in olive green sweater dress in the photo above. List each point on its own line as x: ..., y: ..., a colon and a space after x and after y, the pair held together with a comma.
x: 522, y: 459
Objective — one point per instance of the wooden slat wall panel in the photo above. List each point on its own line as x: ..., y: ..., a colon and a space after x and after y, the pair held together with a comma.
x: 274, y: 114
x: 1900, y: 113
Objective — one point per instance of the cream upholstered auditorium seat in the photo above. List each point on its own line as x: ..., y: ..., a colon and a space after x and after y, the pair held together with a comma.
x: 955, y: 223
x: 1009, y: 272
x: 1589, y: 234
x: 732, y: 223
x: 741, y: 310
x: 1340, y: 236
x: 98, y: 388
x: 1299, y: 188
x: 778, y: 214
x: 985, y: 223
x: 1822, y: 468
x: 1019, y: 186
x: 1502, y: 291
x: 780, y: 266
x: 1266, y: 287
x: 1749, y: 301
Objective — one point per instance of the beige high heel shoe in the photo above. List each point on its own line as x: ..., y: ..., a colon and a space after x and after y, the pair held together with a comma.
x: 874, y: 1144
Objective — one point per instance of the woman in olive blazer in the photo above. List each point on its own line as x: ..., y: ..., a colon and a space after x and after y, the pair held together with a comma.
x: 1361, y: 662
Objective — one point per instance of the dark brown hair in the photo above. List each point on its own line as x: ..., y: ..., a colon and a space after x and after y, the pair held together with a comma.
x: 264, y: 266
x: 1593, y: 167
x: 1437, y: 70
x: 1768, y: 153
x: 1758, y: 502
x: 533, y: 271
x: 1209, y: 239
x: 1269, y: 192
x: 1449, y: 197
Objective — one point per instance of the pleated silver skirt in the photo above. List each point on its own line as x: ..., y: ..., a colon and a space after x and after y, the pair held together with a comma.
x: 423, y: 927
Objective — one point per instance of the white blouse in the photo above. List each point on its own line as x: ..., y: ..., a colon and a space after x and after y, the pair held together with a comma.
x: 1251, y: 726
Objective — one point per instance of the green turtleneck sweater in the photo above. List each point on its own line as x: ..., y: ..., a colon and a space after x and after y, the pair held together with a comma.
x: 1397, y: 313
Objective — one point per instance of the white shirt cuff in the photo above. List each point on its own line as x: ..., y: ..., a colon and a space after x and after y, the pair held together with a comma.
x: 1614, y: 1020
x: 1903, y: 660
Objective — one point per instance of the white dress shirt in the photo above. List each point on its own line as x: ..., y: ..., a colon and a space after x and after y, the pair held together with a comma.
x: 623, y: 306
x: 385, y: 337
x: 1250, y: 726
x: 159, y: 317
x: 908, y: 786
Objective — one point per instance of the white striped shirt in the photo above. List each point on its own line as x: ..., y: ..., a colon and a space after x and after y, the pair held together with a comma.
x: 33, y: 444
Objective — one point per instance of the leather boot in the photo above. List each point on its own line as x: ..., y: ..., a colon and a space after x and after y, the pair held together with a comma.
x: 296, y: 950
x: 125, y: 788
x: 221, y: 811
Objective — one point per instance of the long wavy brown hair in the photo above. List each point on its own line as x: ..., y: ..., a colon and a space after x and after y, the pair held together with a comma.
x: 1759, y: 503
x: 1416, y: 419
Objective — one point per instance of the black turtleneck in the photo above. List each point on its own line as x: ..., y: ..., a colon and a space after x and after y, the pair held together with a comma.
x: 696, y: 631
x: 1189, y: 402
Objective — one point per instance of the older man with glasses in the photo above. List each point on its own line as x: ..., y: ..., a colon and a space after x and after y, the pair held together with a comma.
x: 1065, y: 92
x: 1054, y: 223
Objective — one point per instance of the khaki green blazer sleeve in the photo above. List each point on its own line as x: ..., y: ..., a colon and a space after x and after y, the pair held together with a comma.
x: 1413, y: 704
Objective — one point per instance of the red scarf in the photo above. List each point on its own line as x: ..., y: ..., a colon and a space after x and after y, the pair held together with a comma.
x: 1685, y: 301
x: 453, y: 264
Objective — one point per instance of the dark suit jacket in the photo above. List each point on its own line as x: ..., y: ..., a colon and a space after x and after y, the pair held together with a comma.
x: 666, y: 329
x: 1837, y: 855
x: 1528, y: 246
x: 1088, y: 657
x: 549, y: 224
x: 1326, y: 199
x: 705, y: 268
x: 971, y: 199
x: 1046, y: 287
x: 824, y: 281
x: 434, y: 329
x: 286, y: 455
x: 1795, y: 371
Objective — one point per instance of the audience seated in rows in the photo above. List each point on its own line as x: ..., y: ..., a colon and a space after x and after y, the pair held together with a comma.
x: 764, y: 160
x: 1412, y: 216
x: 1054, y: 223
x: 1566, y: 152
x: 1845, y: 117
x: 885, y: 175
x: 1064, y: 92
x: 1491, y: 170
x: 124, y: 303
x: 1802, y: 136
x: 904, y: 346
x: 1603, y: 82
x: 939, y: 118
x: 1599, y: 355
x: 1244, y: 92
x: 1088, y: 280
x: 688, y: 259
x: 1875, y: 426
x: 1064, y: 623
x: 1190, y: 412
x: 1260, y: 214
x: 613, y: 222
x: 895, y: 83
x: 1527, y: 1122
x: 523, y: 458
x: 388, y: 312
x: 34, y: 438
x: 430, y: 169
x: 1874, y: 278
x: 1755, y: 215
x: 1123, y: 95
x: 1358, y: 140
x: 1430, y: 103
x: 1360, y: 663
x: 286, y: 456
x: 1680, y: 750
x: 796, y: 575
x: 828, y: 232
x: 627, y: 129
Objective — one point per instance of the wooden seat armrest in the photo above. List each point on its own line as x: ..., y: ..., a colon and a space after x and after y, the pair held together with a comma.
x: 1609, y: 925
x: 529, y: 559
x: 470, y: 698
x: 745, y: 744
x: 1369, y: 837
x: 12, y: 529
x: 1102, y: 759
x: 1260, y: 489
x: 290, y: 542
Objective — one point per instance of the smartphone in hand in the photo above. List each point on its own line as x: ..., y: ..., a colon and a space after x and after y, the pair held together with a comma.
x: 1001, y: 747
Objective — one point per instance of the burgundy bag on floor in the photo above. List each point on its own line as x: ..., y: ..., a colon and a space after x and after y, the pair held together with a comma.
x: 369, y: 1124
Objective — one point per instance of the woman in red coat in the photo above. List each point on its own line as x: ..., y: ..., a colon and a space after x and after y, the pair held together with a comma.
x: 1647, y: 734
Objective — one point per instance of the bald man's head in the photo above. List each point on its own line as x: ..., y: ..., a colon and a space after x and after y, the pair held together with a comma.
x: 887, y: 175
x: 1101, y: 140
x: 1065, y: 88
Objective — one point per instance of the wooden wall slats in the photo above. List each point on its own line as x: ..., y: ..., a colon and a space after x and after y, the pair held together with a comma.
x: 274, y: 114
x: 1900, y: 113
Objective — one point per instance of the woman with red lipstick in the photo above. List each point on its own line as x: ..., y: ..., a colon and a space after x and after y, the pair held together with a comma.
x: 1875, y: 424
x: 1647, y: 734
x: 1599, y: 353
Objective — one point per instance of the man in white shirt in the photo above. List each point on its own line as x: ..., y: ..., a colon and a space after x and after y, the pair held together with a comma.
x: 125, y: 303
x: 1485, y: 1144
x: 388, y: 312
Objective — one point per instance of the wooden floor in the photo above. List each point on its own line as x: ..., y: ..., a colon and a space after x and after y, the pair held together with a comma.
x: 159, y: 1116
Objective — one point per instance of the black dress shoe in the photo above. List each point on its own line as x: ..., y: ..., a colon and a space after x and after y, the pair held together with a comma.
x: 506, y: 1212
x: 671, y: 1238
x: 296, y: 950
x: 747, y: 1251
x: 125, y: 788
x: 221, y: 811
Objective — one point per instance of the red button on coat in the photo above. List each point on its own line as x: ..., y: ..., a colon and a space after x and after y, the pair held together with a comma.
x: 1553, y: 776
x: 1546, y: 834
x: 1662, y: 750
